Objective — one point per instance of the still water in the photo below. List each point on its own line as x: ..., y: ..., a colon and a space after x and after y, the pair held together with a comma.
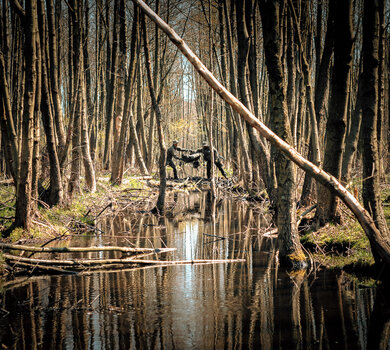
x: 246, y: 305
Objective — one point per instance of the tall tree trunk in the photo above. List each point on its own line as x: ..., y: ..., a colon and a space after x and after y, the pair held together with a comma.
x: 352, y: 139
x: 111, y: 78
x: 327, y: 205
x: 160, y: 205
x: 75, y: 86
x: 119, y: 150
x: 289, y: 246
x: 56, y: 189
x: 371, y: 182
x: 23, y: 191
x: 381, y: 86
x: 78, y: 61
x: 242, y: 60
x: 8, y: 132
x: 54, y: 85
x: 320, y: 96
x: 36, y: 123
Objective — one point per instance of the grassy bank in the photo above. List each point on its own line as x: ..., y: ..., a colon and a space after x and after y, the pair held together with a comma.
x: 76, y: 215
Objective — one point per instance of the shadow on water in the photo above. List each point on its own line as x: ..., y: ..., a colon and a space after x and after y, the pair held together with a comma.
x: 221, y: 306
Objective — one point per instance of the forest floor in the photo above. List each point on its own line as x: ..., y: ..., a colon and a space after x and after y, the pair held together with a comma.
x: 343, y: 246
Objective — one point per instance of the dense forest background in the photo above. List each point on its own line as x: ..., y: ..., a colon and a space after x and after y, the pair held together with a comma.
x: 90, y: 88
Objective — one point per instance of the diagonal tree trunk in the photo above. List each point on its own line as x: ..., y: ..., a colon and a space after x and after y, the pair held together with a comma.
x: 380, y: 245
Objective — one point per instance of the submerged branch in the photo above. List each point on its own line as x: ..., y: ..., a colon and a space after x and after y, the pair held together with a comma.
x: 83, y: 264
x: 83, y: 249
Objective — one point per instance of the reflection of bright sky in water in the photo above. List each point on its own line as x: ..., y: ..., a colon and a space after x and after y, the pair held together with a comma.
x: 190, y: 294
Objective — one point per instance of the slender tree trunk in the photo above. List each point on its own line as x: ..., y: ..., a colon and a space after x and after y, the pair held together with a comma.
x: 352, y: 139
x: 78, y: 61
x: 160, y: 205
x: 140, y: 129
x: 54, y: 72
x: 381, y: 85
x: 37, y: 110
x: 111, y: 86
x: 23, y: 191
x: 8, y: 132
x: 75, y: 86
x: 242, y: 60
x: 327, y: 206
x: 56, y: 190
x: 118, y: 158
x: 371, y: 180
x: 320, y: 97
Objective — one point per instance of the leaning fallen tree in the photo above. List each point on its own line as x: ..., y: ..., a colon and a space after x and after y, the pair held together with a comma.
x: 380, y: 244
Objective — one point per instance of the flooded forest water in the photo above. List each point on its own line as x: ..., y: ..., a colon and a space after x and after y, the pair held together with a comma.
x: 242, y: 305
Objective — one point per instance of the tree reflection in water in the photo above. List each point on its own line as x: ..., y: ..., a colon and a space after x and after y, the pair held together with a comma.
x: 225, y: 306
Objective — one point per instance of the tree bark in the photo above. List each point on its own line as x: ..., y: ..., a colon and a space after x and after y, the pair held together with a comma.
x: 54, y: 85
x: 8, y: 132
x: 327, y: 208
x: 371, y: 181
x: 119, y: 150
x: 23, y: 191
x: 160, y: 205
x: 56, y: 189
x: 111, y: 78
x: 289, y: 246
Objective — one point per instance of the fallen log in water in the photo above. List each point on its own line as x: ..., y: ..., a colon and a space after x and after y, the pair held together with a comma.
x: 27, y: 248
x: 83, y: 264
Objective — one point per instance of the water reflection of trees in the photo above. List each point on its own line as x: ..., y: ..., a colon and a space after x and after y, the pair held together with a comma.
x: 206, y: 306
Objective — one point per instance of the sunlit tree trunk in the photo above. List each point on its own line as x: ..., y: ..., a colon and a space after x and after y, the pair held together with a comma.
x: 37, y: 110
x: 160, y: 205
x: 23, y: 191
x: 111, y: 83
x: 289, y: 245
x: 352, y: 139
x: 381, y: 88
x: 47, y: 108
x: 80, y: 142
x: 74, y: 87
x: 78, y: 61
x: 128, y: 119
x: 54, y: 84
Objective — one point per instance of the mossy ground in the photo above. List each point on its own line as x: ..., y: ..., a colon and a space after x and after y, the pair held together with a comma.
x: 55, y: 221
x: 345, y: 246
x: 340, y: 246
